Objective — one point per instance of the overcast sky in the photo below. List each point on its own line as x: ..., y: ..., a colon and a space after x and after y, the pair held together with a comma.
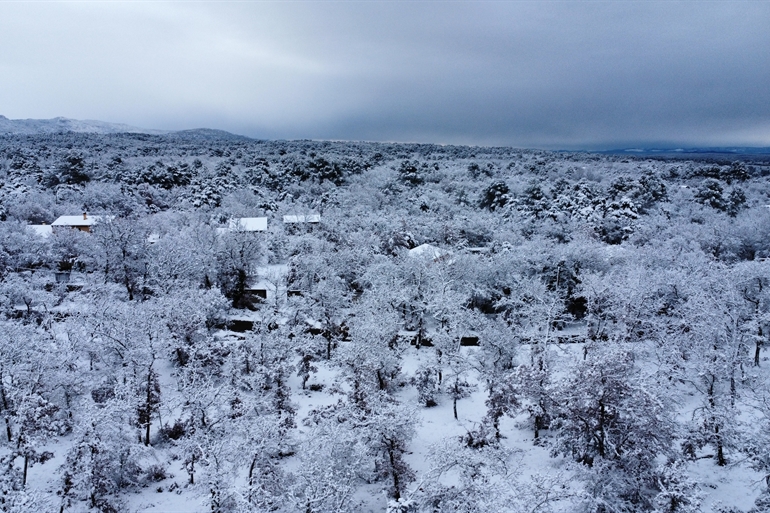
x: 548, y: 74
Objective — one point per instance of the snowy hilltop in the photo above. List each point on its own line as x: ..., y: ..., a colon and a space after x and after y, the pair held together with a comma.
x: 60, y: 125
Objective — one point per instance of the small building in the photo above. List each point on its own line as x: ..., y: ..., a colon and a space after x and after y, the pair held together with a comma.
x: 82, y: 223
x: 247, y: 224
x: 267, y: 284
x: 300, y: 219
x: 41, y: 230
x: 429, y: 251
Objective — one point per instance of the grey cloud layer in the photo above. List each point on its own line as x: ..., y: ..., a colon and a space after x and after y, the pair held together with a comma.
x: 547, y: 74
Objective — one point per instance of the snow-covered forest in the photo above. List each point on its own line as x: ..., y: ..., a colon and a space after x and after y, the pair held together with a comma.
x: 464, y: 329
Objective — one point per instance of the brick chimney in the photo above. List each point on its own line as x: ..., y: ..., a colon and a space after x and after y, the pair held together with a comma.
x: 84, y: 216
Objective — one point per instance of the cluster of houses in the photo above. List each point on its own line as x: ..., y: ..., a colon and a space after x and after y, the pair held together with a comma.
x: 267, y: 282
x: 85, y: 222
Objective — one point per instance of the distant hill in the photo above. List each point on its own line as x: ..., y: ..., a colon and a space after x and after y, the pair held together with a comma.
x: 206, y: 134
x: 63, y: 125
x: 697, y: 152
x: 60, y: 125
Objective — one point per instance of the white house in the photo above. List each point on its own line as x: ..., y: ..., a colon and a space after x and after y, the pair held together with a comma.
x: 82, y: 223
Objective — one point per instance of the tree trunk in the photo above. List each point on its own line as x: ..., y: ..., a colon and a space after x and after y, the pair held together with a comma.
x: 160, y: 420
x: 148, y: 410
x: 215, y: 500
x: 602, y: 414
x: 394, y: 472
x: 129, y: 289
x: 758, y: 347
x: 721, y: 461
x: 419, y: 334
x: 192, y: 469
x: 733, y: 390
x: 4, y: 397
x: 251, y: 477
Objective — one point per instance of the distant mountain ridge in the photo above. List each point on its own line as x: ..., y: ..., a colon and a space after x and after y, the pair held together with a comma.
x: 60, y: 124
x: 704, y: 151
x: 66, y: 125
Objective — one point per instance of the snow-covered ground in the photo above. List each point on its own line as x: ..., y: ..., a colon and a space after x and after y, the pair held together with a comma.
x: 734, y: 485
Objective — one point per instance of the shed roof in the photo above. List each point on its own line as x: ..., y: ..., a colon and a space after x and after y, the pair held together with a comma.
x: 43, y: 230
x: 428, y: 250
x: 309, y: 218
x: 248, y: 224
x: 81, y: 220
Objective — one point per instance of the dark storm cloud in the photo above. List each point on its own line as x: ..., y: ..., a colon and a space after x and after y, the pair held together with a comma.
x: 546, y: 74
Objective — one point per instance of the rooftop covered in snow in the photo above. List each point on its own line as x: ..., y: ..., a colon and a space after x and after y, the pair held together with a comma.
x: 309, y: 218
x: 429, y: 251
x: 82, y: 222
x: 43, y: 230
x: 248, y: 224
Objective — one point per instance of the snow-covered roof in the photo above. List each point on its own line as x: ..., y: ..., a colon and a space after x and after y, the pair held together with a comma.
x: 271, y: 279
x: 81, y: 220
x: 309, y: 218
x: 428, y: 250
x: 43, y: 230
x: 248, y: 224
